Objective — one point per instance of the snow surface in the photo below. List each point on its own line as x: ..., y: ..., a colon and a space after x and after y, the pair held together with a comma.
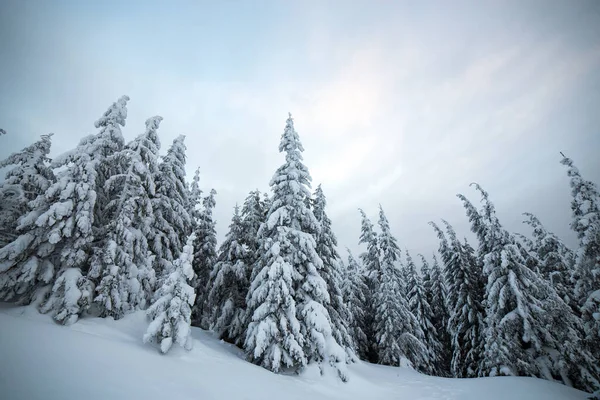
x: 106, y: 359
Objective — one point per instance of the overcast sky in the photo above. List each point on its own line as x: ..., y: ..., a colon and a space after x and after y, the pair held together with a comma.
x: 402, y: 103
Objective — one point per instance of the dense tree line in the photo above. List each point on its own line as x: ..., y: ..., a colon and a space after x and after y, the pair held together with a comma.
x: 112, y: 227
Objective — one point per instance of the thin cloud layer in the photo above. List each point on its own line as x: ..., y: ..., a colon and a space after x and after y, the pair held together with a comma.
x: 396, y: 103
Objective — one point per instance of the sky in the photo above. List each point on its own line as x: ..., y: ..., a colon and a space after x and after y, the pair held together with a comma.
x: 398, y: 103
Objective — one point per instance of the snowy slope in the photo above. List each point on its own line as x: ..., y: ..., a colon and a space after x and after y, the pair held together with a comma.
x: 105, y: 359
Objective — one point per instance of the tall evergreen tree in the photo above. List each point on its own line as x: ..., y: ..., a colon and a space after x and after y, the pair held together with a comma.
x: 372, y: 272
x: 29, y: 177
x: 555, y: 259
x: 170, y: 312
x: 195, y: 200
x: 253, y: 216
x: 397, y: 332
x: 22, y: 194
x: 172, y: 222
x: 254, y: 212
x: 332, y: 274
x: 78, y: 199
x: 404, y: 279
x: 267, y: 204
x: 76, y: 217
x: 354, y: 292
x: 585, y: 208
x: 530, y: 330
x: 290, y: 325
x: 420, y: 308
x: 229, y: 278
x: 426, y: 277
x: 465, y: 295
x: 128, y: 279
x: 205, y: 259
x: 436, y: 294
x: 12, y: 206
x: 370, y: 258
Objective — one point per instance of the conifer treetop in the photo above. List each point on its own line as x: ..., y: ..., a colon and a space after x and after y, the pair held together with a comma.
x: 290, y: 141
x: 116, y: 114
x: 585, y: 205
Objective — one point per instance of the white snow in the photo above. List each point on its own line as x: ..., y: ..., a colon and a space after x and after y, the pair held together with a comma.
x: 106, y: 359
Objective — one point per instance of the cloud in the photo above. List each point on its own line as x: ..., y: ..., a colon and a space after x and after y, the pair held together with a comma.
x: 403, y: 105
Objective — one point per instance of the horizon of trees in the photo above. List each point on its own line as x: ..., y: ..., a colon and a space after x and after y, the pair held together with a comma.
x: 111, y: 227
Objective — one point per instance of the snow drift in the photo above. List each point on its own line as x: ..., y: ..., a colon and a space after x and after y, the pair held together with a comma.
x: 106, y: 359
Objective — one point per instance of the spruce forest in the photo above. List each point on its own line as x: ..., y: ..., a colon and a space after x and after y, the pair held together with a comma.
x: 110, y: 228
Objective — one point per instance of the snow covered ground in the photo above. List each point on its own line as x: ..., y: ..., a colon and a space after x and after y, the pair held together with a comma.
x: 106, y: 359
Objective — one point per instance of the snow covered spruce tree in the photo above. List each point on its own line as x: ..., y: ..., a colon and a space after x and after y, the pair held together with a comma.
x: 465, y: 296
x: 585, y: 208
x: 290, y: 326
x: 124, y: 263
x: 171, y: 309
x: 372, y: 272
x: 76, y: 216
x: 420, y: 308
x: 332, y: 274
x: 267, y: 204
x: 354, y: 291
x: 28, y: 178
x: 529, y: 329
x: 229, y: 285
x: 253, y: 216
x: 370, y: 258
x: 555, y: 259
x: 398, y: 335
x: 436, y: 294
x: 22, y: 267
x: 172, y: 222
x: 254, y: 212
x: 195, y: 200
x: 205, y: 259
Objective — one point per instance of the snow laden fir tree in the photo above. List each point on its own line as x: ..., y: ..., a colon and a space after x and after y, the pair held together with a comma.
x: 22, y: 269
x: 332, y: 274
x: 171, y: 310
x: 128, y: 278
x: 205, y: 259
x: 436, y: 294
x: 528, y: 329
x: 555, y: 260
x: 229, y: 284
x: 420, y: 308
x: 585, y: 208
x: 28, y: 177
x: 355, y: 292
x: 70, y: 217
x: 367, y: 348
x: 465, y: 295
x: 398, y: 336
x: 171, y: 222
x: 288, y: 299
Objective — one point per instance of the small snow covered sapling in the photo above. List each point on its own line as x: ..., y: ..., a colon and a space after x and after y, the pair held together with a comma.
x: 171, y: 310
